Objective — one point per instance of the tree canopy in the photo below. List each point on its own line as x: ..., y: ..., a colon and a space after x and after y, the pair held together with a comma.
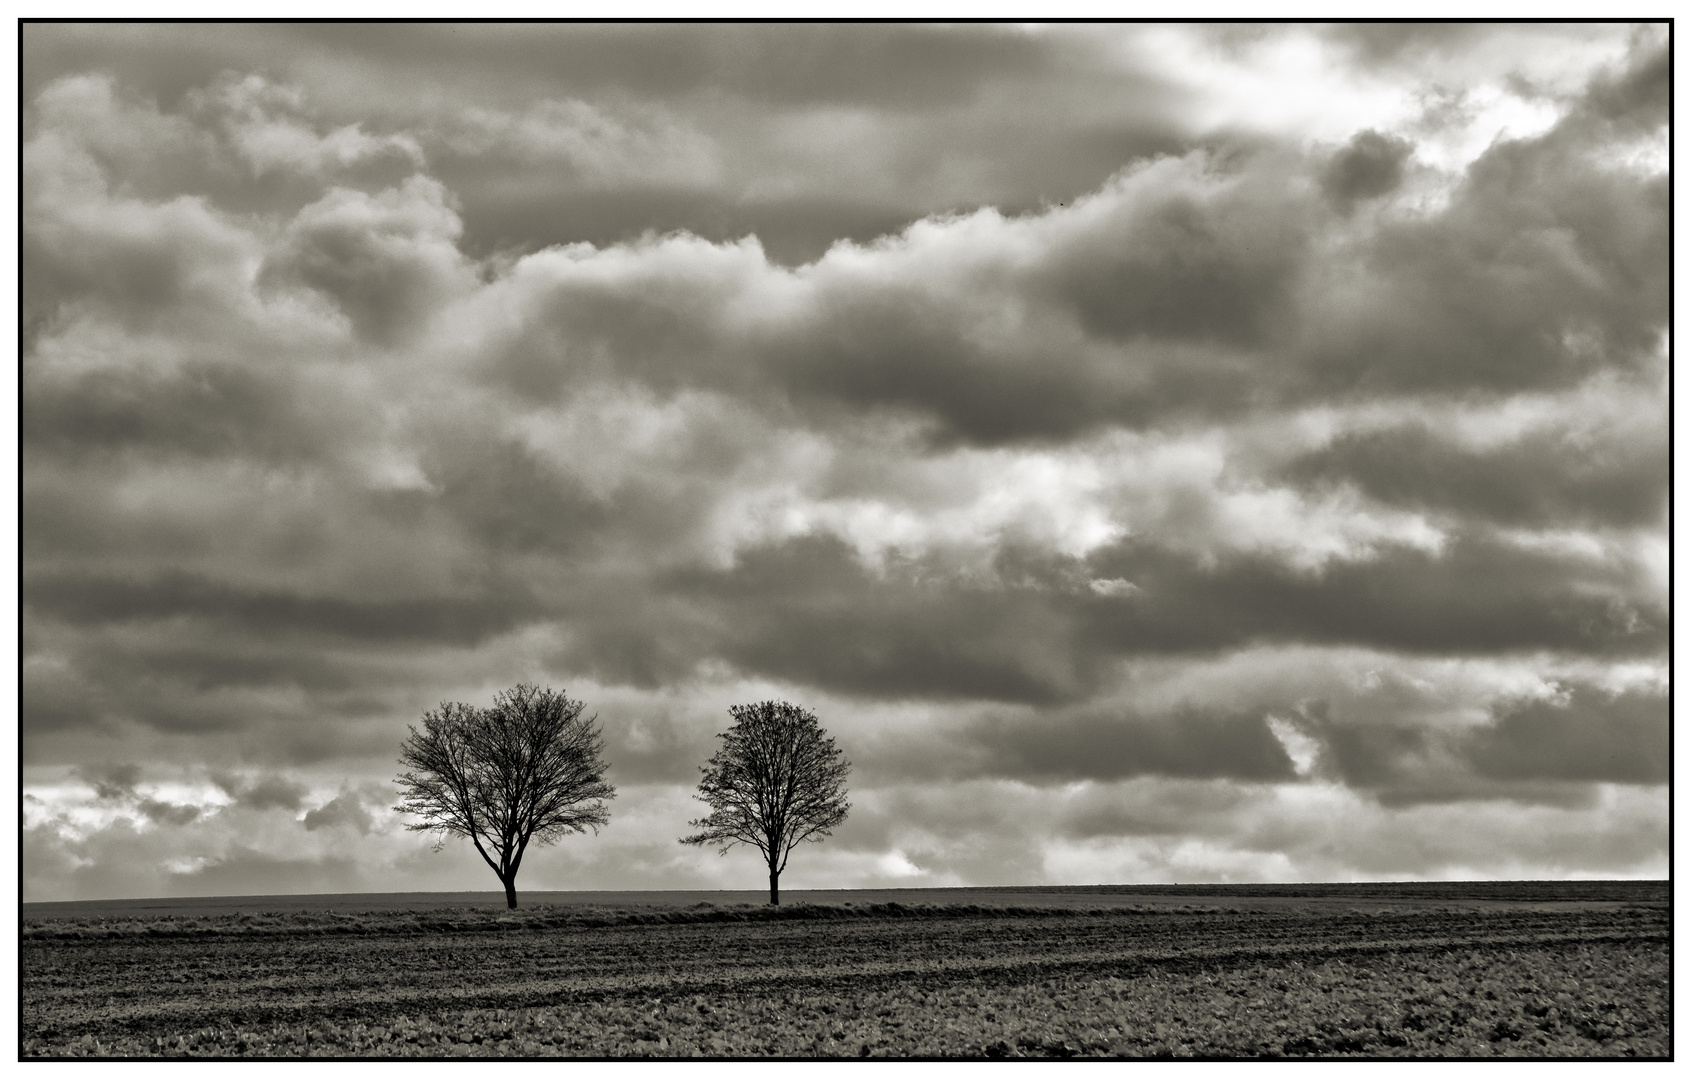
x: 529, y: 769
x: 777, y: 781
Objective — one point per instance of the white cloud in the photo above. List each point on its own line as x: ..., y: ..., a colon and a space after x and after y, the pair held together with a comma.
x: 270, y: 129
x: 1273, y: 82
x: 1117, y: 587
x: 1301, y: 748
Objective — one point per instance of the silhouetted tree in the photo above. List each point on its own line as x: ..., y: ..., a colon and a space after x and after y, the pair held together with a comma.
x: 528, y: 769
x: 777, y: 780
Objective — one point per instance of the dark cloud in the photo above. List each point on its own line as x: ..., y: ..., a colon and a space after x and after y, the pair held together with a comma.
x: 1173, y: 810
x: 241, y: 665
x: 160, y: 812
x: 111, y: 781
x: 343, y: 809
x: 808, y: 611
x: 506, y: 217
x: 1089, y: 746
x: 386, y: 261
x: 1591, y: 736
x: 1547, y: 267
x: 117, y: 784
x: 201, y: 408
x: 512, y: 501
x: 905, y: 353
x: 183, y: 691
x: 845, y: 64
x: 1181, y: 288
x: 1638, y: 93
x: 94, y: 600
x: 1387, y: 42
x: 1544, y: 270
x: 155, y: 58
x: 1175, y: 269
x: 1402, y: 764
x: 1139, y: 307
x: 265, y: 792
x: 1188, y: 263
x: 865, y: 65
x: 968, y: 123
x: 1370, y: 165
x: 1541, y: 750
x: 1618, y: 477
x: 1476, y: 595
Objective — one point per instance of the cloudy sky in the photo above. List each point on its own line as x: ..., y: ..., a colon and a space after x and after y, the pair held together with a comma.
x: 1156, y: 453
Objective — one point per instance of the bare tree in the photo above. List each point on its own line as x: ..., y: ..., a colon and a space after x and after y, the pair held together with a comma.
x: 776, y: 781
x: 528, y: 769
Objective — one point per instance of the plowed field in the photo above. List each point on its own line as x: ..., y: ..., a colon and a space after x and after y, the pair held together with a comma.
x: 1203, y: 979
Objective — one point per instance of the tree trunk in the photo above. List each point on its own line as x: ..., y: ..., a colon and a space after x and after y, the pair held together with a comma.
x: 510, y: 891
x: 775, y: 891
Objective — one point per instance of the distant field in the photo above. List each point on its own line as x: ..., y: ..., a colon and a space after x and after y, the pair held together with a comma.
x: 1417, y: 892
x: 1508, y: 969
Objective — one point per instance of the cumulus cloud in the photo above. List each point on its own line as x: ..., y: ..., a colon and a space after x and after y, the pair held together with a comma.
x: 1369, y: 166
x: 268, y: 127
x: 386, y: 261
x: 262, y: 792
x: 1068, y: 418
x: 344, y: 809
x: 1597, y: 471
